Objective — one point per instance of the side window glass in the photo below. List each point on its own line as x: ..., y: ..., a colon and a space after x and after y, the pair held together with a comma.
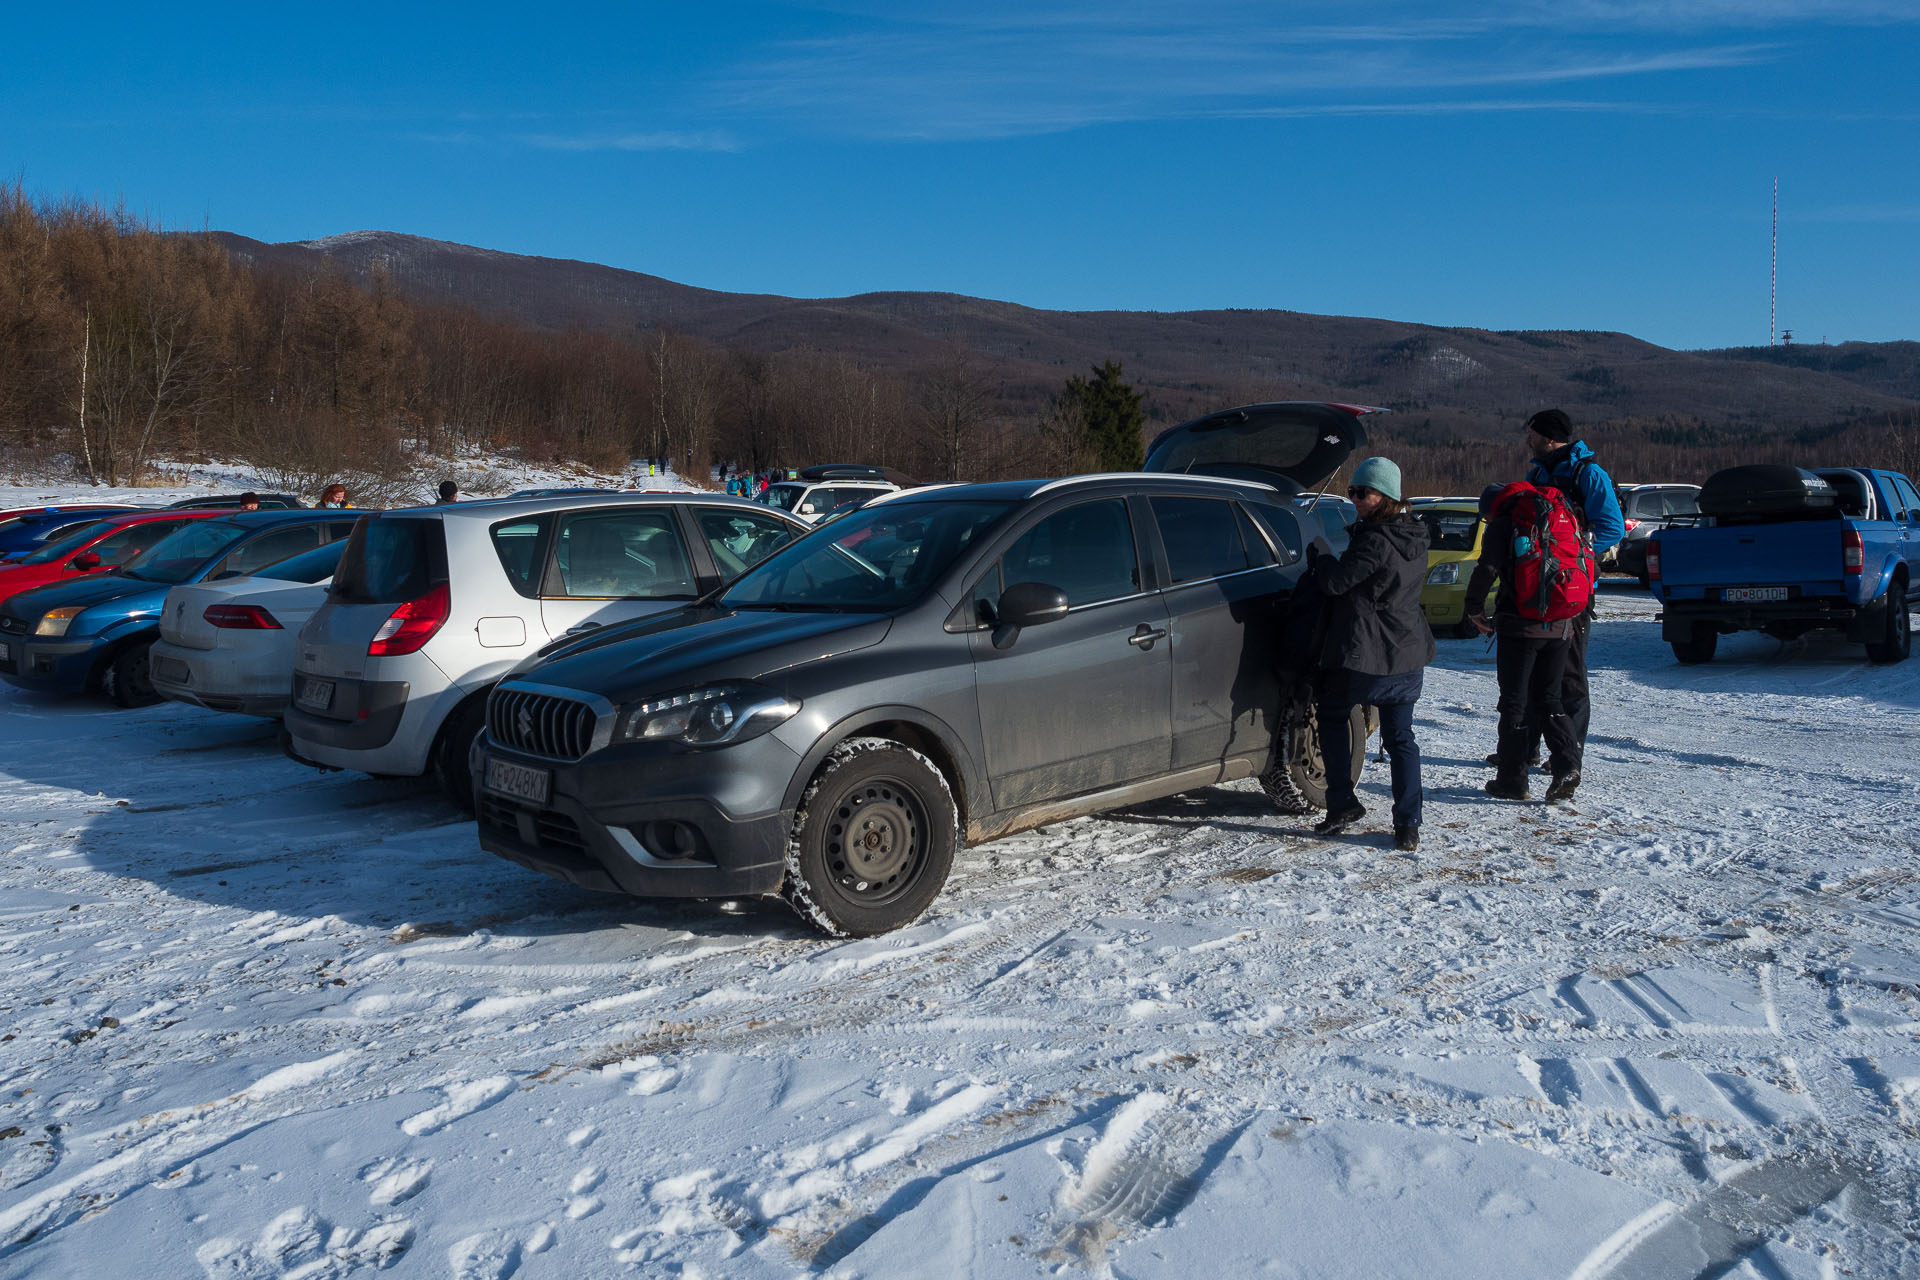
x: 132, y: 540
x: 1201, y: 536
x: 625, y: 554
x: 1086, y: 551
x: 335, y: 532
x: 813, y: 502
x: 516, y: 542
x: 1258, y: 551
x: 266, y: 549
x: 741, y: 539
x: 1908, y: 498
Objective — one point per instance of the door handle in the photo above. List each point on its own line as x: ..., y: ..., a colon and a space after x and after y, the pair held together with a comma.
x: 585, y: 626
x: 1144, y: 636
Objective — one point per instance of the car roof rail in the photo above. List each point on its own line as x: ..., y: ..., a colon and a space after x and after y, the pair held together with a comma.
x: 1153, y: 475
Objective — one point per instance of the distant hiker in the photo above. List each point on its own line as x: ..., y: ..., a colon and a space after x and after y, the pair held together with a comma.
x: 449, y: 492
x: 1377, y: 647
x: 334, y: 495
x: 1568, y: 465
x: 249, y: 501
x: 1534, y: 544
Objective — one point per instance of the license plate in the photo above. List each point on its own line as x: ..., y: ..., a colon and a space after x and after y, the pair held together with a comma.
x: 172, y: 669
x: 315, y: 695
x: 520, y: 781
x: 1747, y: 595
x: 6, y: 653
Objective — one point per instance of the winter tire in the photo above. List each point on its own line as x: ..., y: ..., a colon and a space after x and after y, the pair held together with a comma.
x: 126, y: 679
x: 1296, y: 780
x: 1700, y: 647
x: 450, y: 767
x: 1897, y: 642
x: 873, y: 840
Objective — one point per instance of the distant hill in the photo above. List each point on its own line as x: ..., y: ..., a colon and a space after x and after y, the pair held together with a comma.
x: 1471, y: 381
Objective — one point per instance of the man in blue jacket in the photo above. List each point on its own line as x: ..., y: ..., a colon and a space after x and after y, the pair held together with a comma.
x: 1567, y: 464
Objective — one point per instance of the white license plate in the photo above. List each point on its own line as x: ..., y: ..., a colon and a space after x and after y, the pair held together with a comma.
x: 1746, y: 595
x: 6, y: 653
x: 315, y: 695
x: 172, y: 669
x: 520, y: 781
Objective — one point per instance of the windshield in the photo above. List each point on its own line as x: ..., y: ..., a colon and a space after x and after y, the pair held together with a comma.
x: 309, y: 566
x: 783, y: 496
x: 878, y: 558
x: 173, y: 559
x: 1449, y: 530
x: 70, y: 544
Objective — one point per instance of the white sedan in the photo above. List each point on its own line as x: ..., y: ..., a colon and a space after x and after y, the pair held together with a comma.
x: 228, y: 645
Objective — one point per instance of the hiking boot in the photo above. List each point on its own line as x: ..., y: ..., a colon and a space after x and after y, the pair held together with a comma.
x: 1507, y: 788
x: 1535, y: 762
x: 1406, y: 839
x: 1563, y: 785
x: 1339, y: 820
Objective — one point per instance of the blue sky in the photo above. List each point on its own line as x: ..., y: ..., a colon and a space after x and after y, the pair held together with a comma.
x: 1581, y: 164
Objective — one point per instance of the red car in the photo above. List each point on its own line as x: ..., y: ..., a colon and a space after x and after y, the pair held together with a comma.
x: 108, y: 542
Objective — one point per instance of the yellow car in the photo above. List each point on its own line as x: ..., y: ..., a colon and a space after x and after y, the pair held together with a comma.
x: 1453, y: 548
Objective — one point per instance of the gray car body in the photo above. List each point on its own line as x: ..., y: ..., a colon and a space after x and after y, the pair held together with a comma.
x: 1066, y: 718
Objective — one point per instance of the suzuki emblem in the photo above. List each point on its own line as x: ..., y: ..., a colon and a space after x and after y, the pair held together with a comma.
x: 524, y: 723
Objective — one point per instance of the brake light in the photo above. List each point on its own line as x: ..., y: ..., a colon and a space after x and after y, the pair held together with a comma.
x: 1853, y: 551
x: 241, y: 617
x: 1653, y: 557
x: 412, y: 624
x: 1632, y: 524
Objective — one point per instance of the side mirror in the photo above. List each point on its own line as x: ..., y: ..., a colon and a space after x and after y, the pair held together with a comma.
x: 86, y: 562
x: 1029, y: 604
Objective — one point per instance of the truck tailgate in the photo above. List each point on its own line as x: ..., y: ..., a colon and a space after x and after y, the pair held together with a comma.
x: 1806, y: 553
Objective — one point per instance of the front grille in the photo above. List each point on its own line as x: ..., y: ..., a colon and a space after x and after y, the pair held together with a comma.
x: 552, y: 832
x: 540, y: 724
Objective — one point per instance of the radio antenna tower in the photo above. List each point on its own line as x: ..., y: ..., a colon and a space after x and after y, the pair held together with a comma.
x: 1773, y: 273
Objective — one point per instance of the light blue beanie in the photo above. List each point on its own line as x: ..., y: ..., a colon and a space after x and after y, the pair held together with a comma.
x: 1379, y: 475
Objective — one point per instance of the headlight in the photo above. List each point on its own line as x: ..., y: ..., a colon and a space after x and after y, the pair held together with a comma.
x: 58, y: 620
x: 1444, y: 575
x: 708, y: 717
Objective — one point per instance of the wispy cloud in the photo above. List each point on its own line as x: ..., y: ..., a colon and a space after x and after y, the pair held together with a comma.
x: 658, y: 140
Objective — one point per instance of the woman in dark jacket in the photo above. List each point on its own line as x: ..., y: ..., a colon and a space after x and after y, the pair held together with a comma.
x: 1377, y: 648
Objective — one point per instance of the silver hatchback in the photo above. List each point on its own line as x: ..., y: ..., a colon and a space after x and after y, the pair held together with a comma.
x: 432, y: 605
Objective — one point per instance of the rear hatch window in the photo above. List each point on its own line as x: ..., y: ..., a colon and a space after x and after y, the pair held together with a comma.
x: 390, y: 560
x: 1291, y: 445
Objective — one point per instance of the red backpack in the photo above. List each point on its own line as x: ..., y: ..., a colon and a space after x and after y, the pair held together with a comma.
x: 1552, y: 568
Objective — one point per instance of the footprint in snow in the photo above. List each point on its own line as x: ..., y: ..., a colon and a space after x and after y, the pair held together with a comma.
x: 395, y: 1180
x: 489, y: 1255
x: 462, y: 1101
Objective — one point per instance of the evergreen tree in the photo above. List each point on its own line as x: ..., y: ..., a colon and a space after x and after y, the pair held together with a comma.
x: 1108, y: 414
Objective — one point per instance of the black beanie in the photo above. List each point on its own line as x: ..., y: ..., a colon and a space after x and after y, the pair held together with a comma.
x: 1554, y: 424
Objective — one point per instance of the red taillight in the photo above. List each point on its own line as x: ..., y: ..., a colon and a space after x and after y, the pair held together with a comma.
x: 241, y: 617
x: 412, y: 624
x: 1632, y: 525
x: 1853, y: 551
x: 1653, y: 557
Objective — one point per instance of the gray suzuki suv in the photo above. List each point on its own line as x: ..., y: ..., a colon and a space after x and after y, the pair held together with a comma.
x: 942, y: 665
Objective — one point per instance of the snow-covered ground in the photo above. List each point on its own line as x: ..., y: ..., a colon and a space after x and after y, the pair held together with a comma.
x: 262, y: 1022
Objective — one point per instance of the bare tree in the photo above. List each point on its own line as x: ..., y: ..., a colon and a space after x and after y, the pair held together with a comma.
x: 956, y: 399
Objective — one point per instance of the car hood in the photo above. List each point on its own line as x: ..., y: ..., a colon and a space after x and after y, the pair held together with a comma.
x: 1292, y: 445
x: 95, y: 589
x: 699, y: 644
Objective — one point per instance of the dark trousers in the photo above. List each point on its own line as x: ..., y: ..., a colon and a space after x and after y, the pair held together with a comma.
x: 1339, y: 693
x: 1573, y: 688
x: 1533, y: 682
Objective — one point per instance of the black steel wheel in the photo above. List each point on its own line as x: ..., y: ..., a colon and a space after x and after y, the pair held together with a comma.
x: 1897, y: 641
x: 127, y: 679
x: 873, y: 841
x: 1700, y: 647
x: 451, y: 768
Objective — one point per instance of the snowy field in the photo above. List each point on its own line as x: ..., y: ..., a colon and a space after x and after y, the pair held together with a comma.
x: 263, y: 1022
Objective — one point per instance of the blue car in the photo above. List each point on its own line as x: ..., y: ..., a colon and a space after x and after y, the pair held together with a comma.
x: 25, y: 531
x: 93, y: 633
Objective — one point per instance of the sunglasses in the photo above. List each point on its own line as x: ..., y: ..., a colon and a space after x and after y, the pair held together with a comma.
x: 1356, y: 492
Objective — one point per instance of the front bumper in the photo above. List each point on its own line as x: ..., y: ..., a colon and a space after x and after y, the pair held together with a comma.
x: 47, y: 665
x: 649, y: 820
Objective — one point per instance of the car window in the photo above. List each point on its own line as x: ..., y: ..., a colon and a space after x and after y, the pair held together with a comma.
x: 516, y: 542
x: 390, y: 559
x: 627, y: 553
x: 312, y: 566
x: 1907, y: 497
x: 261, y: 551
x: 1201, y: 536
x: 120, y: 547
x: 741, y: 539
x: 878, y: 558
x: 1259, y: 548
x: 783, y: 496
x: 1449, y: 530
x: 1086, y: 551
x: 337, y: 530
x: 174, y: 558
